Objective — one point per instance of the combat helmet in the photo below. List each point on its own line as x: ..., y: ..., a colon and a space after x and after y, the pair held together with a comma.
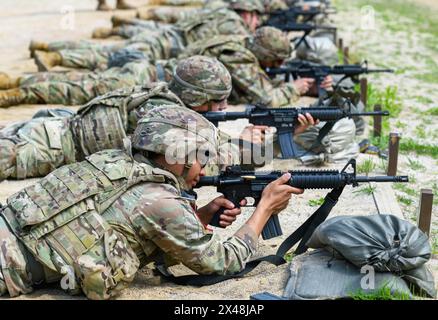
x: 270, y: 44
x: 180, y: 134
x: 198, y: 80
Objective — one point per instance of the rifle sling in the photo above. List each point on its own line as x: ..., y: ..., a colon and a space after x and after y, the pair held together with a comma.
x: 322, y: 133
x: 303, y: 233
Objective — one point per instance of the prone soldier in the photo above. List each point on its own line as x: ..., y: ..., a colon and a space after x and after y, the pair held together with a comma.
x: 99, y: 221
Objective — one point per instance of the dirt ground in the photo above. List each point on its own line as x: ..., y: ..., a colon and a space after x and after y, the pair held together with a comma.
x: 50, y: 20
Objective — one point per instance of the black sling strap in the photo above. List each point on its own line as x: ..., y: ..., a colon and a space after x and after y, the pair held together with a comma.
x: 303, y: 233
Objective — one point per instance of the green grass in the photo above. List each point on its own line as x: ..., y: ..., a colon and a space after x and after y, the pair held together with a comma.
x: 383, y: 165
x: 401, y: 125
x: 415, y: 164
x: 403, y: 187
x: 366, y: 166
x: 424, y: 100
x: 434, y: 244
x: 429, y: 77
x: 383, y: 293
x: 289, y: 256
x: 404, y: 200
x: 420, y: 132
x: 381, y: 142
x: 410, y: 145
x: 432, y: 111
x: 422, y: 18
x: 316, y: 202
x: 367, y: 190
x: 388, y: 98
x: 435, y: 194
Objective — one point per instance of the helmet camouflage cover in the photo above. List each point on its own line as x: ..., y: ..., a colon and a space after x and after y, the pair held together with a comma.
x: 270, y: 44
x: 199, y: 79
x: 176, y: 132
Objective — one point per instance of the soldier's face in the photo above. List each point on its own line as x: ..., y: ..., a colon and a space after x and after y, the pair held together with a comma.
x: 212, y: 106
x: 271, y: 64
x: 251, y: 19
x: 195, y: 173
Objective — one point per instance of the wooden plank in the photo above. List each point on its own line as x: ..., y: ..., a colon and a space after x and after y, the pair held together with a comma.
x: 364, y: 91
x: 386, y: 200
x: 394, y: 141
x: 424, y: 218
x: 346, y: 55
x: 377, y: 122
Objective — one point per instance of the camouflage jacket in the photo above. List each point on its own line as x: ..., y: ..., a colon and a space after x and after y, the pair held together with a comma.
x: 207, y: 23
x: 250, y: 83
x: 109, y: 215
x: 105, y: 121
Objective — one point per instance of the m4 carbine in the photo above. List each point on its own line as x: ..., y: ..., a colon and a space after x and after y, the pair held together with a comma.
x: 237, y: 184
x: 285, y: 120
x: 307, y: 28
x: 305, y: 69
x: 279, y: 18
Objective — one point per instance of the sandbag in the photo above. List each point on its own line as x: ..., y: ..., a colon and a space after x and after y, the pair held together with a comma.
x: 318, y: 50
x: 384, y: 242
x: 318, y: 275
x: 338, y: 146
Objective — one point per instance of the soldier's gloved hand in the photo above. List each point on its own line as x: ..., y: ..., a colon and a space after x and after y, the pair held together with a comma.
x: 303, y: 85
x: 305, y: 122
x: 229, y: 215
x: 254, y: 134
x: 276, y: 195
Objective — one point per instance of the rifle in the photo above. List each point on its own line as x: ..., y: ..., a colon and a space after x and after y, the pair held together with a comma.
x: 305, y: 69
x: 304, y: 27
x: 285, y: 120
x: 279, y: 18
x: 237, y: 184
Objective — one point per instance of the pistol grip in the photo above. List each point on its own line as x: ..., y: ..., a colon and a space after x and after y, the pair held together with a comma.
x: 216, y: 217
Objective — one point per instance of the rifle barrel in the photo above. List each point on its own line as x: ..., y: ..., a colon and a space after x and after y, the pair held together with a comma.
x: 372, y: 113
x: 215, y: 116
x: 382, y: 179
x: 380, y: 70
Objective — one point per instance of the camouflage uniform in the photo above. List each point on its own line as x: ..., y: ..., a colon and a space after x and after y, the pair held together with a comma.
x: 156, y: 40
x: 87, y: 86
x: 36, y: 147
x: 99, y: 221
x: 250, y: 83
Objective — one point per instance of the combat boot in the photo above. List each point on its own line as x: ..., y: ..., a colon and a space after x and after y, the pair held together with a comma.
x: 102, y: 33
x: 7, y: 82
x: 11, y: 97
x: 145, y: 14
x: 156, y: 2
x: 118, y: 21
x: 102, y: 6
x: 37, y: 45
x: 47, y: 60
x: 122, y: 5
